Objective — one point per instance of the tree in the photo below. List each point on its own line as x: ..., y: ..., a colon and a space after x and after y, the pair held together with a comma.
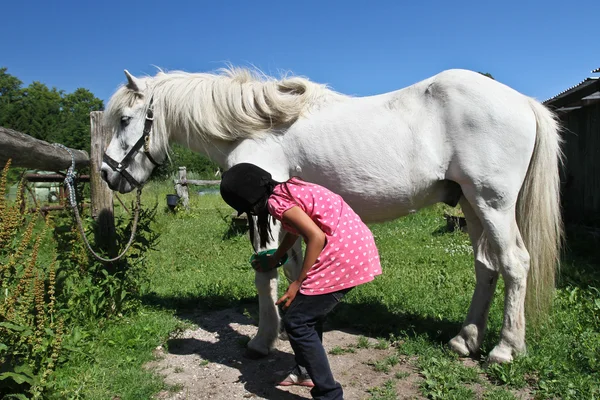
x: 47, y: 114
x: 184, y: 157
x: 74, y: 128
x: 36, y: 111
x: 10, y: 91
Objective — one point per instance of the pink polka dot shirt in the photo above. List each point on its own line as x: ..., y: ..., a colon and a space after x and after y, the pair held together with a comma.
x: 350, y: 257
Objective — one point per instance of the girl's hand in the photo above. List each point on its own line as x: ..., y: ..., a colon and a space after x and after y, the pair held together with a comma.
x: 290, y: 294
x: 271, y: 261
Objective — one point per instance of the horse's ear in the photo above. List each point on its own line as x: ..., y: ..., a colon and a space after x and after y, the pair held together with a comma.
x: 133, y: 83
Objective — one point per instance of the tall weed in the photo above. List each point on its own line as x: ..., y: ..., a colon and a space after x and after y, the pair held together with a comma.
x: 48, y: 309
x: 31, y: 328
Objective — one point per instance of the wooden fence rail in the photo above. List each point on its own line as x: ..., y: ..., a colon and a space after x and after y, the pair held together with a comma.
x: 26, y: 151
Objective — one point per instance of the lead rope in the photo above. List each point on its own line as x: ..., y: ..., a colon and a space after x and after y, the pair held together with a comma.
x: 69, y: 182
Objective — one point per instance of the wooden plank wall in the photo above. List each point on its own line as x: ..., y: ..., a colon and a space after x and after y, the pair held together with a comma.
x: 581, y: 175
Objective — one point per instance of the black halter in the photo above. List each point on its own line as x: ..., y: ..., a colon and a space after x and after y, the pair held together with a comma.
x: 121, y: 167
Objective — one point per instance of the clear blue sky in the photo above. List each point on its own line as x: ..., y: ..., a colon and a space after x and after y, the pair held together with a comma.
x: 538, y: 47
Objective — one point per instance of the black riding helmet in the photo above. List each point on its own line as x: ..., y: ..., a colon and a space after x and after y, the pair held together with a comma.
x: 246, y: 188
x: 244, y: 185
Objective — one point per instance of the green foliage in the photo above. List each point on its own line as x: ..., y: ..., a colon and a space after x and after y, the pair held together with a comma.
x: 31, y: 328
x: 401, y: 375
x: 48, y: 311
x: 74, y: 130
x: 47, y: 114
x: 107, y: 361
x: 511, y: 374
x: 93, y: 290
x: 499, y: 394
x: 445, y: 378
x: 10, y: 92
x: 337, y: 350
x: 487, y: 74
x: 419, y: 302
x: 386, y: 364
x: 385, y: 392
x: 363, y: 343
x: 382, y: 344
x: 194, y: 162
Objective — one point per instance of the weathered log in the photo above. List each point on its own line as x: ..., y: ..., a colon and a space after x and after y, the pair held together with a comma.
x: 26, y: 151
x: 198, y: 182
x: 53, y: 178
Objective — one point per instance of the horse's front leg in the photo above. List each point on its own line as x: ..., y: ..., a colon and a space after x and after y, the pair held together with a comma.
x: 269, y: 318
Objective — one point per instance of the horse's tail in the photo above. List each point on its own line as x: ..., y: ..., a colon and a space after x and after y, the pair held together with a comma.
x: 539, y: 214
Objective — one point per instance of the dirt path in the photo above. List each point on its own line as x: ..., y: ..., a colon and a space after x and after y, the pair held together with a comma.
x: 208, y: 363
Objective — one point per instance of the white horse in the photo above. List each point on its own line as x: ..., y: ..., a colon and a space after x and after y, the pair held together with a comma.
x: 457, y: 137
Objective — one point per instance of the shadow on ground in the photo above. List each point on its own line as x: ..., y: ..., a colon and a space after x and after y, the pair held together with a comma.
x: 371, y: 319
x: 225, y: 338
x: 218, y: 342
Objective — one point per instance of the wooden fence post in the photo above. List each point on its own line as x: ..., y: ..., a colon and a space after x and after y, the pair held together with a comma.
x: 181, y: 187
x: 102, y: 197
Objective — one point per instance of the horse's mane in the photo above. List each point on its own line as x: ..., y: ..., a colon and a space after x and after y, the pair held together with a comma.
x: 232, y: 104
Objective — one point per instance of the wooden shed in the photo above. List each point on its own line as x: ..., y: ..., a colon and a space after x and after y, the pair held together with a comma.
x: 579, y: 110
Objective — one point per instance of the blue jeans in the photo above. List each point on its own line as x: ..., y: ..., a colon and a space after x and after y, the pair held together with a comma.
x: 303, y: 323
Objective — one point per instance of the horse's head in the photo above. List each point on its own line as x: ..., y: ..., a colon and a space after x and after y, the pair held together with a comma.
x: 135, y: 150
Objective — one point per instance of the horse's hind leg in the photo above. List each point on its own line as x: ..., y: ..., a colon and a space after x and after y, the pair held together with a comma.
x: 501, y: 248
x: 513, y: 258
x: 468, y: 341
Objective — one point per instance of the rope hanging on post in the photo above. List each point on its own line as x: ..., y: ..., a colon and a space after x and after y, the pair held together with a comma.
x: 69, y: 183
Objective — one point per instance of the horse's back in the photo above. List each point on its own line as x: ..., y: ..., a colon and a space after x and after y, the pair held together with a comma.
x: 458, y: 125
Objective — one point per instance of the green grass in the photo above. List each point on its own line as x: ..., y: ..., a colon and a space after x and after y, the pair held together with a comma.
x: 401, y: 375
x: 112, y: 364
x: 337, y: 350
x: 382, y: 344
x: 419, y: 303
x: 363, y: 343
x: 387, y: 391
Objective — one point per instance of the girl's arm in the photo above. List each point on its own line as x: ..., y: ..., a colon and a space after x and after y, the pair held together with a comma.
x: 288, y: 241
x: 315, y: 241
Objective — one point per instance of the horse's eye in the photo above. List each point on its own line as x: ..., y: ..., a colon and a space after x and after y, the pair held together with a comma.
x: 125, y: 121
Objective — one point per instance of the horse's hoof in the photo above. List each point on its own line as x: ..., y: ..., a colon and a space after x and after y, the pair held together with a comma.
x: 253, y: 354
x: 459, y: 346
x: 283, y: 336
x: 499, y: 355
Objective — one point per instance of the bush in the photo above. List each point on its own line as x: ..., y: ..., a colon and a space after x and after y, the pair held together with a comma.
x: 31, y: 329
x: 45, y: 309
x: 91, y: 290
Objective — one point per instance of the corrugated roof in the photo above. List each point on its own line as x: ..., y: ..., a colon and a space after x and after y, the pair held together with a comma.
x: 580, y: 85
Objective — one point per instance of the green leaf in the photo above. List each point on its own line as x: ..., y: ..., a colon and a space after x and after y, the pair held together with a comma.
x: 24, y: 369
x: 18, y: 378
x: 19, y: 396
x: 12, y: 327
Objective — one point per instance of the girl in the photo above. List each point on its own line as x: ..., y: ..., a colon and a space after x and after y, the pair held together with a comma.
x: 340, y: 254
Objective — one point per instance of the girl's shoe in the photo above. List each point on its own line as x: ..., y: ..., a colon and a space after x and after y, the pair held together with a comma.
x: 298, y: 378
